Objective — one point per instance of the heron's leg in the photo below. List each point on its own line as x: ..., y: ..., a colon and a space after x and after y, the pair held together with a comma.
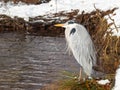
x: 80, y: 74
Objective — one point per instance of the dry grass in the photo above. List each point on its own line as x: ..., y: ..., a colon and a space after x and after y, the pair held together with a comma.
x: 74, y: 84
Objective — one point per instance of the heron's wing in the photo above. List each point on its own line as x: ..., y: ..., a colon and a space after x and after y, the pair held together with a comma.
x: 68, y: 48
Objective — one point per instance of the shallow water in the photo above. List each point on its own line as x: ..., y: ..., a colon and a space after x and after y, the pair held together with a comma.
x: 30, y: 62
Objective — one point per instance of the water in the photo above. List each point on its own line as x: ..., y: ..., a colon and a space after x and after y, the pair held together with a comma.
x: 30, y: 62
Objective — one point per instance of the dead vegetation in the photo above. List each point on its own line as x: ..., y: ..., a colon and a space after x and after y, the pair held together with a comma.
x: 73, y: 84
x: 9, y: 24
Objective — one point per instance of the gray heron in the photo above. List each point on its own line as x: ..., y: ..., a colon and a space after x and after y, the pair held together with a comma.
x: 81, y: 45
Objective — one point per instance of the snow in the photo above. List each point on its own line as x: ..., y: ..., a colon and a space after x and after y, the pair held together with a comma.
x: 26, y: 11
x: 103, y: 82
x: 117, y: 80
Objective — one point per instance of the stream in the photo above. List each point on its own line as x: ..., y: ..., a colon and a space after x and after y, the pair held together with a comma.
x: 30, y: 62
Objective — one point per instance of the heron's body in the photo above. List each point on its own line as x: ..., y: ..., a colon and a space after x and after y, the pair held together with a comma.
x: 81, y: 45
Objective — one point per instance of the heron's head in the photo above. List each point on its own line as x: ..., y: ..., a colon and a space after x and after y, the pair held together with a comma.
x: 67, y: 24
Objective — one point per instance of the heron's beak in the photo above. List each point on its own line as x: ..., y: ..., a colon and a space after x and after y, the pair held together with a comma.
x: 59, y: 25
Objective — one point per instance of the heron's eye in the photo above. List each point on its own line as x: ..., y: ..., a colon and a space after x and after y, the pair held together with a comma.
x: 72, y: 31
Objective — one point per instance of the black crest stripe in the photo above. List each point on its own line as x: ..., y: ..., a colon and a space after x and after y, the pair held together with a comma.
x: 72, y: 31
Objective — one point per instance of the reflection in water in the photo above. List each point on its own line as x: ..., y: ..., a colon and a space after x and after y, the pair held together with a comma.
x: 29, y: 62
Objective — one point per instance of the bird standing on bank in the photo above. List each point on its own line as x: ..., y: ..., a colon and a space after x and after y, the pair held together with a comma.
x: 81, y: 45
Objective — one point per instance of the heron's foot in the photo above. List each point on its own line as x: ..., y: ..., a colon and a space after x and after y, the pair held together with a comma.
x: 89, y: 78
x: 79, y: 78
x: 84, y: 78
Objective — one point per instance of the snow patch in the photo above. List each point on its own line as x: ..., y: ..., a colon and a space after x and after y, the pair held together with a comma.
x: 117, y: 80
x: 103, y: 82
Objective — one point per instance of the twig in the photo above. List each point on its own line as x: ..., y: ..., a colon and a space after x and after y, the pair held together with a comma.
x: 116, y: 44
x: 113, y: 23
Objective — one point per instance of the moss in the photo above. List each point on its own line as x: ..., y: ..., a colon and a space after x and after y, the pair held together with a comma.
x: 73, y: 84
